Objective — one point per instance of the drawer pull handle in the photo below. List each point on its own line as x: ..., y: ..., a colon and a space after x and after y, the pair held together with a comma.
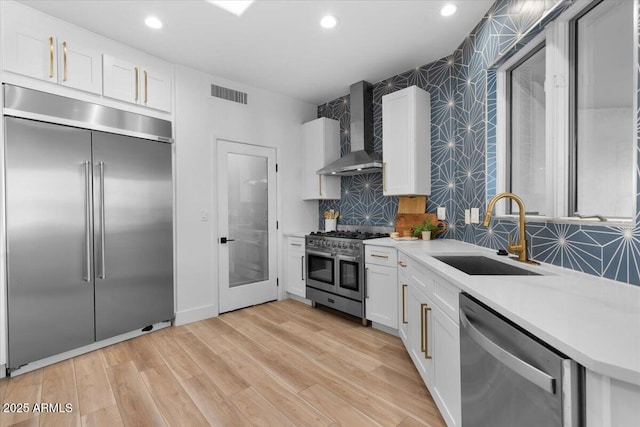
x: 380, y: 256
x: 404, y: 298
x: 402, y: 264
x: 50, y: 56
x: 424, y: 329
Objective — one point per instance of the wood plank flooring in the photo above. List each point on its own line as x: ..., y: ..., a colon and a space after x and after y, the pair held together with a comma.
x: 276, y: 364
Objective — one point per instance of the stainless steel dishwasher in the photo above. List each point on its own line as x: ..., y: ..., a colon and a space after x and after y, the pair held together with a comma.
x: 510, y: 378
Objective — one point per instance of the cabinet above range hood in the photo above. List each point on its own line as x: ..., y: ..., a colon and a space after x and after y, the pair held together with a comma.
x: 362, y: 158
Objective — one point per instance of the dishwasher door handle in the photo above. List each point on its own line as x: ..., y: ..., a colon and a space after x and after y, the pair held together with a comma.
x: 519, y: 366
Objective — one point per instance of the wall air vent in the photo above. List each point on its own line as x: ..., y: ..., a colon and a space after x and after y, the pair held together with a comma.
x: 228, y: 94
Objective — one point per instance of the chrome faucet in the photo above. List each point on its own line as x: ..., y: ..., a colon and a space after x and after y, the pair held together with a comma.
x: 519, y: 249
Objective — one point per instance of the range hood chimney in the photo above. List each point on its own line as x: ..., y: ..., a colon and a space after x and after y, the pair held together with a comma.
x: 362, y: 158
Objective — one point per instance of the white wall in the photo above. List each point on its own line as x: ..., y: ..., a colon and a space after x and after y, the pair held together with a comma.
x: 269, y: 119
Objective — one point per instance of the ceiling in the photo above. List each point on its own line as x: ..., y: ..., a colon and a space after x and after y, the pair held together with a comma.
x: 278, y: 45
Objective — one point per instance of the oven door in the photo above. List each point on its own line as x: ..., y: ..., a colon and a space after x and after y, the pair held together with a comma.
x: 349, y: 277
x: 321, y: 270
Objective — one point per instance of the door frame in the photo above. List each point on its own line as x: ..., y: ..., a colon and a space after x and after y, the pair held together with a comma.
x: 222, y: 274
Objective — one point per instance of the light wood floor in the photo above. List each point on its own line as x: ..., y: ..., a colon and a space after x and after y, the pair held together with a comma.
x: 277, y: 364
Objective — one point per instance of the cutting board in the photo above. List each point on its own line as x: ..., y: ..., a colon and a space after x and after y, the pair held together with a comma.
x: 412, y: 204
x: 406, y: 222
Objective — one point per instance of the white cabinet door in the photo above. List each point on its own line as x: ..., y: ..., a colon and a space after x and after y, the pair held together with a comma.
x: 381, y: 301
x: 79, y: 66
x: 156, y: 89
x: 28, y: 49
x: 121, y: 79
x: 420, y: 336
x: 320, y: 146
x: 142, y: 85
x: 403, y: 295
x: 406, y: 142
x: 295, y: 267
x: 446, y: 388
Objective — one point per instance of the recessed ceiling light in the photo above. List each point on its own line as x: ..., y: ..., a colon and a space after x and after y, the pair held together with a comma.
x: 153, y: 22
x: 448, y: 9
x: 328, y: 21
x: 237, y: 7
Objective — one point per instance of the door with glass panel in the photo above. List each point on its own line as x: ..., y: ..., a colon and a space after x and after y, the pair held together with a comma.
x: 246, y: 225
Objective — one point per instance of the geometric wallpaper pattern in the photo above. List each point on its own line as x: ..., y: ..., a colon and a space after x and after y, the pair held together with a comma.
x: 462, y: 89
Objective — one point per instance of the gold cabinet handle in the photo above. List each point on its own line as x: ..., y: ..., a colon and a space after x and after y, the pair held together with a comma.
x: 401, y: 264
x: 424, y: 328
x: 320, y: 185
x: 380, y: 256
x: 64, y: 61
x: 404, y: 298
x: 384, y: 177
x: 136, y: 68
x: 145, y: 86
x: 50, y: 56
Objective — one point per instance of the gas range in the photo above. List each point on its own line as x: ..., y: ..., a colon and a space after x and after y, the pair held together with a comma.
x: 335, y: 272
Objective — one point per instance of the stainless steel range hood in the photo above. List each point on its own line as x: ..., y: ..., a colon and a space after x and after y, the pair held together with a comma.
x: 362, y: 158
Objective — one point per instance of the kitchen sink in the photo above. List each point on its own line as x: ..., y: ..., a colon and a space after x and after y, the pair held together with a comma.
x: 478, y: 265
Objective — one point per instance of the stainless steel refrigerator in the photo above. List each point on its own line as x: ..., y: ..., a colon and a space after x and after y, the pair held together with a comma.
x: 89, y: 233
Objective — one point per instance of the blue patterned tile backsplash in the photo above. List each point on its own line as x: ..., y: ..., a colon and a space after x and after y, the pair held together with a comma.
x: 463, y: 162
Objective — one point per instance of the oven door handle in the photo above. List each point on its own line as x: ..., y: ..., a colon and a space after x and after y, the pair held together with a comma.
x: 519, y: 366
x: 322, y: 254
x: 349, y: 258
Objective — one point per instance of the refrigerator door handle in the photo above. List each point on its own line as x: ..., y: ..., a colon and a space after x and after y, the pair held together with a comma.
x: 87, y: 230
x: 103, y: 268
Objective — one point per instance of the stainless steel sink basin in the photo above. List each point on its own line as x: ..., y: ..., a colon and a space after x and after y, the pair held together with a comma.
x: 478, y: 265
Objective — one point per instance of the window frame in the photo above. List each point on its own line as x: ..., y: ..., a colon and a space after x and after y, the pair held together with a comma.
x: 508, y: 99
x: 560, y: 150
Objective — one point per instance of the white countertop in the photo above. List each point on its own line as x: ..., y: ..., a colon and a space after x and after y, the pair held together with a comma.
x: 594, y: 321
x: 297, y: 233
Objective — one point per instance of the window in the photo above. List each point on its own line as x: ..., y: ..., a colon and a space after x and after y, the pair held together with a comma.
x: 603, y: 111
x: 567, y: 114
x: 526, y: 133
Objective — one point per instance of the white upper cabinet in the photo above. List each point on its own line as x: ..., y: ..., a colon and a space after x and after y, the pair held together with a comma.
x: 37, y: 46
x: 321, y: 146
x: 48, y: 49
x: 137, y: 84
x: 121, y: 79
x: 29, y: 50
x: 79, y: 66
x: 406, y: 142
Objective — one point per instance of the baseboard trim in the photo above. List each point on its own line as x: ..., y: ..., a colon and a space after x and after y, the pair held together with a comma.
x: 385, y: 328
x: 195, y: 314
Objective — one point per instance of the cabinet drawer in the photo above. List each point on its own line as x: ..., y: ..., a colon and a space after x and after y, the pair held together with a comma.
x: 417, y: 274
x: 380, y: 255
x: 445, y: 296
x: 295, y: 244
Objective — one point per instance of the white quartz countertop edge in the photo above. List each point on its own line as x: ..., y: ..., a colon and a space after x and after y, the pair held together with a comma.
x: 592, y: 320
x: 296, y: 233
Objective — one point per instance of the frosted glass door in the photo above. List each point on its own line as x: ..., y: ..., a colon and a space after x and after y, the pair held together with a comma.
x: 248, y: 214
x: 246, y: 200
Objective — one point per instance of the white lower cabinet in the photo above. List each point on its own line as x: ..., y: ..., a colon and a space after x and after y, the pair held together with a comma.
x: 611, y: 402
x: 432, y: 335
x: 403, y: 297
x: 381, y: 295
x: 295, y: 278
x: 381, y: 285
x: 445, y: 352
x: 420, y: 339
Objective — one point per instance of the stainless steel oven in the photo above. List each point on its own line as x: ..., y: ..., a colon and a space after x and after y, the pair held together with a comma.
x: 336, y: 273
x: 334, y: 265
